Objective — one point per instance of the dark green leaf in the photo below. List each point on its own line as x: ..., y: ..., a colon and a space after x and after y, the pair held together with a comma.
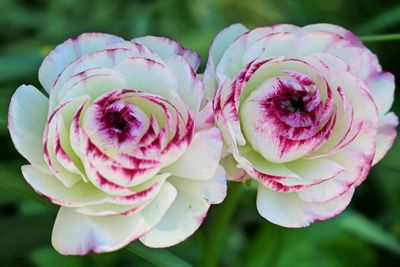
x: 159, y: 257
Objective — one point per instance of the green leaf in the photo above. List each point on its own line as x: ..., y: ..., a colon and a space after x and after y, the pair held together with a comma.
x: 382, y: 21
x: 14, y: 67
x: 262, y: 250
x: 381, y: 37
x: 11, y: 180
x: 48, y: 257
x: 369, y: 231
x: 22, y: 234
x: 217, y: 232
x: 159, y: 257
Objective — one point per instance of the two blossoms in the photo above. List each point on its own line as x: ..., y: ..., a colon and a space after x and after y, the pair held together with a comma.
x: 132, y: 143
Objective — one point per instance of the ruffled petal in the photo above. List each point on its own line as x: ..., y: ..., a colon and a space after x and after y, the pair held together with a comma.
x: 188, y: 211
x: 201, y: 158
x: 381, y: 85
x: 26, y: 122
x: 386, y: 135
x: 288, y: 210
x: 69, y: 51
x: 78, y: 234
x: 166, y: 47
x: 49, y: 186
x: 217, y: 49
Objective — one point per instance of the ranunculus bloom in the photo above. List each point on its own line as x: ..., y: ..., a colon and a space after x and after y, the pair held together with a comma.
x: 119, y: 144
x: 304, y: 112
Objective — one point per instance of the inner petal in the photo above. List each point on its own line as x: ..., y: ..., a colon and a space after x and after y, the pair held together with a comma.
x: 282, y: 118
x: 115, y: 127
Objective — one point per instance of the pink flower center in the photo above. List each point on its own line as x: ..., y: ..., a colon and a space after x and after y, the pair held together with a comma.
x: 119, y: 122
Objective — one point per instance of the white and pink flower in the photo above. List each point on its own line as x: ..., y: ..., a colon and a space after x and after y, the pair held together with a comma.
x: 119, y: 144
x: 303, y: 111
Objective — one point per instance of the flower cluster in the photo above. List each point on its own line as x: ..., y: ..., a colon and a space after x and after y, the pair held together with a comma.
x: 132, y: 144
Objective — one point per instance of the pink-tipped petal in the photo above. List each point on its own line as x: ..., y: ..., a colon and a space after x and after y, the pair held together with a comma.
x: 382, y: 87
x: 217, y: 49
x: 201, y: 158
x: 166, y: 47
x: 288, y: 210
x: 78, y: 234
x: 69, y: 51
x: 26, y: 121
x: 386, y: 135
x: 49, y: 186
x: 188, y: 211
x: 233, y: 172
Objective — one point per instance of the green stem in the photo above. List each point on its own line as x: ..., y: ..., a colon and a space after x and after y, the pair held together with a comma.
x: 217, y: 233
x: 381, y: 37
x: 159, y: 257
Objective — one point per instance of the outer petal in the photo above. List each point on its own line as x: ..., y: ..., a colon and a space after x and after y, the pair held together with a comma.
x: 326, y: 27
x: 386, y: 135
x: 27, y: 117
x: 382, y: 87
x: 166, y: 47
x: 188, y: 211
x: 288, y: 210
x: 217, y: 49
x: 233, y: 172
x: 77, y: 234
x: 80, y: 194
x: 70, y: 50
x: 201, y: 157
x: 190, y: 88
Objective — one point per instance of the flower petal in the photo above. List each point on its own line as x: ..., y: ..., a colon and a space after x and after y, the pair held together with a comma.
x: 80, y: 194
x: 233, y: 172
x: 386, y: 135
x: 188, y: 211
x: 217, y: 49
x: 26, y: 122
x: 190, y: 88
x: 166, y: 47
x: 139, y: 71
x: 78, y: 234
x: 201, y: 158
x: 382, y: 88
x: 288, y: 210
x: 69, y: 51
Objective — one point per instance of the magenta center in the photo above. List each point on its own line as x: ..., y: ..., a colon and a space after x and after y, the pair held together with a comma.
x: 120, y: 122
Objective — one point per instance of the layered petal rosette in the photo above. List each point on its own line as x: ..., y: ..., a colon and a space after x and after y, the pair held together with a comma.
x: 119, y: 143
x: 303, y: 111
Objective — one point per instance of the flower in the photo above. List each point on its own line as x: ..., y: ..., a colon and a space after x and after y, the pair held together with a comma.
x: 120, y: 144
x: 303, y: 111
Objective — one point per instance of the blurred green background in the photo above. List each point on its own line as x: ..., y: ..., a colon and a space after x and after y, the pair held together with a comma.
x: 366, y: 234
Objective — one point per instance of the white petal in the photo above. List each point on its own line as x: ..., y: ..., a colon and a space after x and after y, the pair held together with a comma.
x: 353, y: 161
x: 288, y: 210
x: 27, y: 117
x: 382, y: 87
x: 93, y: 82
x: 217, y: 49
x: 188, y: 211
x: 77, y: 234
x: 233, y: 172
x: 70, y: 50
x: 190, y: 88
x: 166, y: 47
x: 326, y: 27
x: 386, y: 135
x: 49, y: 186
x: 149, y: 76
x: 108, y: 58
x: 201, y: 158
